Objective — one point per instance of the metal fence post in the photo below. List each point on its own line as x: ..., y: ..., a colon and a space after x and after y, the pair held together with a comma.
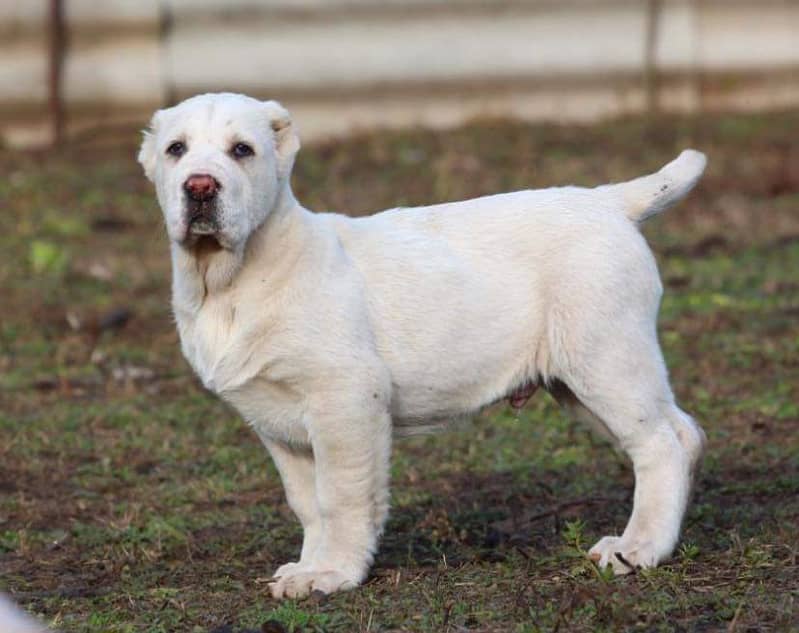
x: 56, y: 62
x: 651, y: 87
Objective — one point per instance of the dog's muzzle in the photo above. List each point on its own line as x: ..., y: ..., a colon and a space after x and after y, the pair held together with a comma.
x: 201, y: 193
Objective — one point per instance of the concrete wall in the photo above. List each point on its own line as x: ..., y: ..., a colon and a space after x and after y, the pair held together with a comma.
x: 341, y: 65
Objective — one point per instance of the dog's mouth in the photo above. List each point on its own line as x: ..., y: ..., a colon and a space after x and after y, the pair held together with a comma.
x: 202, y: 226
x: 205, y: 245
x: 203, y: 234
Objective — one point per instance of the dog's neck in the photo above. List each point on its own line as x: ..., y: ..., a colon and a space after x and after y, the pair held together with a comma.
x: 197, y: 275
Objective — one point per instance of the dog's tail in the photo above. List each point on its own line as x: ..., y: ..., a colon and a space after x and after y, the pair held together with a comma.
x: 649, y: 195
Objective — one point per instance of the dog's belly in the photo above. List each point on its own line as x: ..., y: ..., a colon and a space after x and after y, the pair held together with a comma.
x: 426, y: 400
x: 459, y: 323
x: 468, y: 355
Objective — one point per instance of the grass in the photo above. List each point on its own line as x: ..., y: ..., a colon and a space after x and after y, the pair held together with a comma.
x: 131, y: 500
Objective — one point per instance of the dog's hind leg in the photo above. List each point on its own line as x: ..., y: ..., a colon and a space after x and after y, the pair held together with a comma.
x: 566, y: 399
x: 381, y: 496
x: 623, y: 383
x: 690, y: 434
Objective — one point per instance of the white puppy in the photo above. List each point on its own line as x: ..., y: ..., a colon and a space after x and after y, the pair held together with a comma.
x: 329, y: 334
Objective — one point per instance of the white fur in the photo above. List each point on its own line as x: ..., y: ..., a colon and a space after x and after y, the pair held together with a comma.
x: 327, y: 333
x: 13, y: 620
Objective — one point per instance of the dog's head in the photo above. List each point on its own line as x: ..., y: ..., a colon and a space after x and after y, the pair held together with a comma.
x: 219, y: 162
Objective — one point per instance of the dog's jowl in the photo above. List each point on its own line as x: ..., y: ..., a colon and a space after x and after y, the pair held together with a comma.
x: 330, y: 335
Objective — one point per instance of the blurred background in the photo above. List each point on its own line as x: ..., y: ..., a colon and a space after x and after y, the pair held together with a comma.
x: 70, y: 67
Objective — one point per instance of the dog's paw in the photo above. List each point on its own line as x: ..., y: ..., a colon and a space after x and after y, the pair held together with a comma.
x: 622, y: 555
x: 302, y: 581
x: 287, y: 570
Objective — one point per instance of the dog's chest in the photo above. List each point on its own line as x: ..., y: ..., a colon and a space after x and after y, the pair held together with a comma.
x: 210, y: 341
x: 231, y: 360
x: 273, y: 407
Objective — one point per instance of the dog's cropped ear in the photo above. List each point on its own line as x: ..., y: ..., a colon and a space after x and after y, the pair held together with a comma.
x: 287, y: 143
x: 149, y: 150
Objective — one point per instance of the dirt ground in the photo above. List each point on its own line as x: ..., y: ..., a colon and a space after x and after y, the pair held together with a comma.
x: 132, y: 500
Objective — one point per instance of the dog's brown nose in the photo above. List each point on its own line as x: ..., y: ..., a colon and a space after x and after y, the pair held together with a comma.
x: 201, y: 187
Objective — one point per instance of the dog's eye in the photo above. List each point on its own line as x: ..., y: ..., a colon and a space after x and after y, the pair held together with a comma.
x: 242, y: 150
x: 176, y: 149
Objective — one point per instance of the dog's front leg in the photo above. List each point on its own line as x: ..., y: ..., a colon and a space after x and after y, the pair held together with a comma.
x: 296, y: 468
x: 351, y: 446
